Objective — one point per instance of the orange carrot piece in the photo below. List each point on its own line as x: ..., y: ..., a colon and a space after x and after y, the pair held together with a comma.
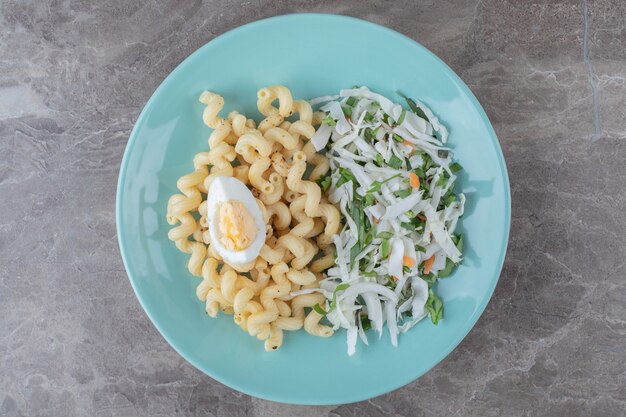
x: 421, y: 217
x: 376, y: 221
x: 395, y: 278
x: 414, y: 180
x: 428, y: 265
x: 407, y: 143
x: 408, y: 261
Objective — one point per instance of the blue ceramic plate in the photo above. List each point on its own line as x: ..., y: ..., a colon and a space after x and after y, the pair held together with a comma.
x: 313, y: 55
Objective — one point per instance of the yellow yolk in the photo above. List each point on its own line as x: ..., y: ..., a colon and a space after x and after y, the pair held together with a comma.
x: 236, y: 225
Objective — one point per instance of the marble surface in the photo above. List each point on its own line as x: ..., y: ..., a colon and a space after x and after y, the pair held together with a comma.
x: 74, y: 76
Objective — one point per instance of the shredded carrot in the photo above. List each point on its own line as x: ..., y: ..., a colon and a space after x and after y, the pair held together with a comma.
x: 407, y: 143
x: 376, y: 221
x: 421, y: 217
x: 395, y: 278
x: 428, y: 265
x: 408, y: 261
x: 414, y: 180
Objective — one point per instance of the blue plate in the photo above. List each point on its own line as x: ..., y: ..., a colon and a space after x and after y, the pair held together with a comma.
x: 313, y: 55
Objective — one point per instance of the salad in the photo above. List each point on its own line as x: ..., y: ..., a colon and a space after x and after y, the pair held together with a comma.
x: 393, y: 179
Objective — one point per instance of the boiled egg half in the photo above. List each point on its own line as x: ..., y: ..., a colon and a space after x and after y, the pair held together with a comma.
x: 236, y: 226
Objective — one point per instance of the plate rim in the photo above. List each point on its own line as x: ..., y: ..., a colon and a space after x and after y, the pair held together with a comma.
x: 449, y: 72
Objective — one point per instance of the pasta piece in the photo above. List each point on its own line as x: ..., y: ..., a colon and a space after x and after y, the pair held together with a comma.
x: 241, y: 318
x: 276, y: 134
x: 259, y: 323
x: 267, y: 95
x: 270, y: 121
x: 255, y: 175
x: 279, y: 164
x: 289, y: 323
x: 324, y: 262
x: 275, y: 340
x: 318, y: 116
x: 241, y: 172
x: 214, y: 104
x: 279, y: 188
x: 239, y: 123
x: 312, y: 325
x: 303, y: 109
x: 302, y: 277
x: 280, y: 214
x: 302, y: 249
x: 305, y: 300
x: 313, y: 193
x: 252, y: 146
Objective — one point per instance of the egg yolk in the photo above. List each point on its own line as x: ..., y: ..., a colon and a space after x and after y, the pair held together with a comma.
x: 236, y: 225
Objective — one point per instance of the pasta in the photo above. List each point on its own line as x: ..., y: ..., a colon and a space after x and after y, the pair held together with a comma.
x: 271, y: 161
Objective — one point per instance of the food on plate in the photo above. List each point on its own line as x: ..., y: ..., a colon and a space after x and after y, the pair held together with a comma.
x: 393, y: 179
x: 349, y: 225
x: 256, y: 227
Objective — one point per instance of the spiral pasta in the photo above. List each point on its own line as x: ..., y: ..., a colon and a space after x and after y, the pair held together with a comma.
x: 271, y: 159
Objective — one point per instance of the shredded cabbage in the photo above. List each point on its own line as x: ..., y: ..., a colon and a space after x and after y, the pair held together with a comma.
x: 394, y: 225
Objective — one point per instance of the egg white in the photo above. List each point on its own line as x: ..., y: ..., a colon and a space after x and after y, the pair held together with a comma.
x: 229, y: 189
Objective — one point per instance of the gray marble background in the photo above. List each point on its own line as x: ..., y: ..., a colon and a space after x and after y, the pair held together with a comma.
x: 74, y: 76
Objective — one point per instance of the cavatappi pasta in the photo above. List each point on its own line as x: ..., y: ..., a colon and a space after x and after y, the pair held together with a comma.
x: 271, y: 160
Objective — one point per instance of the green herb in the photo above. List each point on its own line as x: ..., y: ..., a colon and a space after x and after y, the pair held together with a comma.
x: 420, y: 248
x: 395, y: 162
x: 414, y: 107
x: 406, y: 269
x: 385, y: 235
x: 377, y: 184
x: 368, y: 117
x: 408, y: 225
x: 390, y: 282
x: 369, y: 274
x: 368, y: 200
x: 355, y: 213
x: 443, y: 179
x: 384, y: 249
x: 333, y: 304
x: 434, y: 305
x: 366, y: 323
x: 347, y: 111
x: 430, y: 279
x: 459, y: 243
x: 419, y: 172
x: 386, y: 118
x: 320, y: 310
x: 340, y: 287
x: 328, y: 120
x: 369, y: 134
x: 455, y: 167
x: 397, y: 138
x: 403, y: 193
x: 324, y: 182
x: 379, y: 160
x: 402, y: 116
x: 428, y: 162
x: 447, y: 270
x: 369, y: 236
x: 345, y: 176
x: 449, y: 199
x: 351, y: 101
x: 410, y: 214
